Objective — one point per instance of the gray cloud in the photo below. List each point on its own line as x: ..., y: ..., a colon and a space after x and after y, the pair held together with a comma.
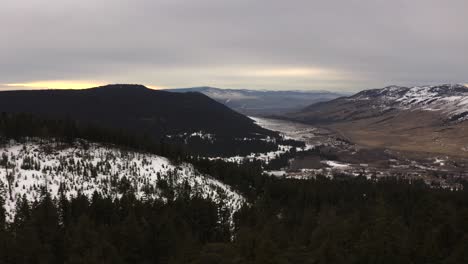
x: 356, y: 44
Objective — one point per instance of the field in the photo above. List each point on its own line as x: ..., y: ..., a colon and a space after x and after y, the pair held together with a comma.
x: 348, y: 150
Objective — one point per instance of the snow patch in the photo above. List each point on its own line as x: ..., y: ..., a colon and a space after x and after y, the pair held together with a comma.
x: 335, y: 164
x: 26, y: 168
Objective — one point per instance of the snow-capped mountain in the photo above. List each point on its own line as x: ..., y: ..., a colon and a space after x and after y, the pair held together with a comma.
x: 451, y: 100
x: 420, y: 119
x: 28, y: 168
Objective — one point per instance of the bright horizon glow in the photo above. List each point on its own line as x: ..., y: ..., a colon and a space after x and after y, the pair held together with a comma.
x: 77, y: 85
x: 156, y: 87
x: 65, y: 84
x: 57, y: 84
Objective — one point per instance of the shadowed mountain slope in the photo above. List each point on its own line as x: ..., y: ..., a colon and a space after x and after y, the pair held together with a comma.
x: 134, y: 108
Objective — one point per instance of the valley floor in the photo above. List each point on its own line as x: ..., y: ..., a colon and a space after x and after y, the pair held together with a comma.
x: 334, y: 155
x: 413, y: 131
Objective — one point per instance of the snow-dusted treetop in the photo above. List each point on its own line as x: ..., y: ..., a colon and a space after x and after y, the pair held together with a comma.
x: 28, y: 168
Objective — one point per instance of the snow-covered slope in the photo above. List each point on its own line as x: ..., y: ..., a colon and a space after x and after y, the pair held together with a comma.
x: 451, y: 100
x: 26, y: 168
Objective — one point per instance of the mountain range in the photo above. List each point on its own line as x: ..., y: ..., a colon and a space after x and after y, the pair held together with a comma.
x: 262, y: 102
x: 450, y: 101
x: 422, y: 118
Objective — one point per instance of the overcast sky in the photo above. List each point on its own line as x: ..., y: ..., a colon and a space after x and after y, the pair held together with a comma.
x: 345, y: 45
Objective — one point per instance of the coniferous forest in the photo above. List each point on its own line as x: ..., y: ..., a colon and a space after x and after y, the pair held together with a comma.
x: 340, y: 220
x: 315, y: 221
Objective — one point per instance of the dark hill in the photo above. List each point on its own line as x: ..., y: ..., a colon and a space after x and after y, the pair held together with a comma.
x: 134, y: 108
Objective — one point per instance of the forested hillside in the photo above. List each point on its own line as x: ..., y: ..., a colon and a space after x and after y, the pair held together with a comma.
x: 322, y: 220
x: 86, y: 168
x: 314, y: 221
x: 205, y: 126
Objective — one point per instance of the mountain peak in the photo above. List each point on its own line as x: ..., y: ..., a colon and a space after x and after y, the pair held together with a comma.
x: 450, y: 99
x: 123, y: 87
x: 395, y: 91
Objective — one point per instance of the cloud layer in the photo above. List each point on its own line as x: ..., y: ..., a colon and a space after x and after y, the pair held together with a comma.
x: 269, y: 44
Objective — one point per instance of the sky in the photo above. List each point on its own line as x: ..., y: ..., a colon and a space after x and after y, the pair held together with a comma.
x: 346, y: 45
